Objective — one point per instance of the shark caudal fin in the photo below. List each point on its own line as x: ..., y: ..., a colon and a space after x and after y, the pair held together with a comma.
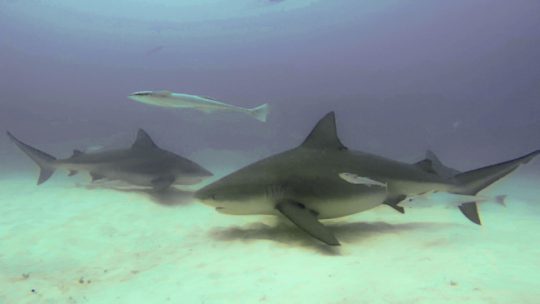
x: 42, y: 159
x: 260, y: 112
x: 472, y: 182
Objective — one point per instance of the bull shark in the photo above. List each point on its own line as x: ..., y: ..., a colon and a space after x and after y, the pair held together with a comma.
x: 323, y: 179
x: 143, y: 164
x: 169, y: 99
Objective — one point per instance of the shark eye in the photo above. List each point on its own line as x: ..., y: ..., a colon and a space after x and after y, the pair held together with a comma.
x: 213, y: 197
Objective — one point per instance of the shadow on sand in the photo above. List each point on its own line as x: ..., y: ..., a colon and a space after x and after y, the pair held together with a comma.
x: 169, y: 197
x: 286, y: 233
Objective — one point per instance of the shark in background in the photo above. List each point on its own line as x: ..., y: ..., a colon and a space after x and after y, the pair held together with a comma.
x: 143, y: 164
x: 169, y: 99
x: 323, y: 179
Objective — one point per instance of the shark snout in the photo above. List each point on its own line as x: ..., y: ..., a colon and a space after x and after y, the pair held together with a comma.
x: 207, y: 198
x: 205, y: 173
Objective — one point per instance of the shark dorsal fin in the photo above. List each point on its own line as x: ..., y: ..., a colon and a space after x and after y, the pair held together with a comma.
x: 432, y: 164
x: 426, y: 165
x: 76, y: 153
x: 324, y: 135
x: 143, y: 141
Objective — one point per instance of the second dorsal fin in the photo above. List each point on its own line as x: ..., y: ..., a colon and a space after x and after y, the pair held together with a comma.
x: 143, y: 141
x: 76, y: 153
x: 324, y: 135
x: 432, y: 164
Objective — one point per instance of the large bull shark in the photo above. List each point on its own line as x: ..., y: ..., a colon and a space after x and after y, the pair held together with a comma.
x: 323, y: 179
x: 143, y: 164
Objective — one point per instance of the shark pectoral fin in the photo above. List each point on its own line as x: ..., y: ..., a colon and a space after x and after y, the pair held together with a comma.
x: 96, y: 177
x: 306, y: 220
x: 163, y: 182
x: 470, y: 210
x: 72, y: 172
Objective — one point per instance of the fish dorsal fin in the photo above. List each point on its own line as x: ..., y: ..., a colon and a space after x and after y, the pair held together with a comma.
x: 77, y: 153
x: 324, y: 135
x: 143, y: 141
x: 162, y: 93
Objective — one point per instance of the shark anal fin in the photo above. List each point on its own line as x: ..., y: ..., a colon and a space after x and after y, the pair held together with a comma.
x: 306, y: 220
x: 394, y: 203
x: 163, y: 182
x: 470, y: 210
x: 72, y: 172
x: 96, y: 177
x: 396, y: 207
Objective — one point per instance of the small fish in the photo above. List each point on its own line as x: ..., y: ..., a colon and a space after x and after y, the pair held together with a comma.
x: 205, y: 104
x: 458, y: 199
x: 360, y: 180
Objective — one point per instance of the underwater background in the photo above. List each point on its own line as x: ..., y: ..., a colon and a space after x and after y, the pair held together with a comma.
x: 460, y: 78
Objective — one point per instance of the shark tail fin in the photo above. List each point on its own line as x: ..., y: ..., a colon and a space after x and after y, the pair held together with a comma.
x: 260, y: 112
x: 474, y: 181
x: 42, y: 159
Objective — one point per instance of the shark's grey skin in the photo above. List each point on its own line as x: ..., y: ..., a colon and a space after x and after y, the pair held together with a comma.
x: 143, y: 164
x: 304, y: 183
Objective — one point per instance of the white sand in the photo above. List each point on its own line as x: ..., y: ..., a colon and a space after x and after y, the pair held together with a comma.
x: 71, y: 244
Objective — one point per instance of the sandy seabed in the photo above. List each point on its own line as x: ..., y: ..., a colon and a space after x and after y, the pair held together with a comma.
x: 65, y: 242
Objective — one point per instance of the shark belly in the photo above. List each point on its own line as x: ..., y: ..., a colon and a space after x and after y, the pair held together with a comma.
x: 255, y: 206
x: 102, y: 172
x: 343, y: 206
x: 326, y: 209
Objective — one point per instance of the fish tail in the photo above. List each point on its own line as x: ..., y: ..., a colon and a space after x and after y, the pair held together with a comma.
x: 260, y: 112
x: 472, y: 182
x: 42, y: 159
